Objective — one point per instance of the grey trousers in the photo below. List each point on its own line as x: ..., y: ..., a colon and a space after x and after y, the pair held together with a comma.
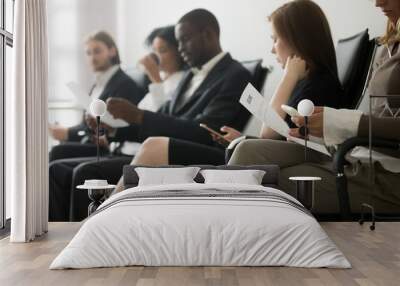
x: 385, y: 195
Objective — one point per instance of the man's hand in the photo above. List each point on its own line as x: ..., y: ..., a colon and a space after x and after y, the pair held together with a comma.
x: 315, y: 124
x: 123, y: 109
x: 59, y: 133
x: 103, y: 141
x: 92, y: 124
x: 230, y: 133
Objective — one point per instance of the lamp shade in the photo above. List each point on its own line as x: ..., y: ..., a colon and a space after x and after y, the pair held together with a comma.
x: 98, y: 107
x: 305, y: 107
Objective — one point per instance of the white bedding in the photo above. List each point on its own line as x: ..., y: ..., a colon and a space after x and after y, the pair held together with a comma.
x: 188, y: 231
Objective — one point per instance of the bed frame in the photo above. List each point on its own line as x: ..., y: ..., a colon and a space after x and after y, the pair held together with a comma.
x: 271, y: 177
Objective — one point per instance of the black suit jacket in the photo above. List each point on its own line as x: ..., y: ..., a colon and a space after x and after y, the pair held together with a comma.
x: 120, y: 85
x: 215, y: 103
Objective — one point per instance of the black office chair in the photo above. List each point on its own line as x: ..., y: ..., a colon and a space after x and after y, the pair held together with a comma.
x: 258, y: 73
x: 258, y: 78
x: 354, y: 56
x: 340, y: 162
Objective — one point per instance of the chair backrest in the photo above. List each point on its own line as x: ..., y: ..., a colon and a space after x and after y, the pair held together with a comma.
x: 257, y: 71
x: 353, y: 57
x: 363, y: 101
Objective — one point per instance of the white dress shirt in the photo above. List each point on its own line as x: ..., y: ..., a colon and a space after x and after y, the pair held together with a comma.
x: 161, y: 92
x: 199, y: 75
x: 158, y: 94
x: 340, y: 124
x: 102, y: 79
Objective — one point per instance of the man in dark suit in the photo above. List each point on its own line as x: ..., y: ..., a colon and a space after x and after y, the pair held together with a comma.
x: 111, y: 82
x: 209, y: 93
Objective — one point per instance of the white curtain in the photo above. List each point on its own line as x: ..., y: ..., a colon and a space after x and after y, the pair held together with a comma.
x: 26, y: 117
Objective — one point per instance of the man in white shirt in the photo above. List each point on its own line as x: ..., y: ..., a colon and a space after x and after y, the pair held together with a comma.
x: 76, y: 146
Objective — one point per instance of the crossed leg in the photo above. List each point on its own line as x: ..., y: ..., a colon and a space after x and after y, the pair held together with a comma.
x: 153, y: 152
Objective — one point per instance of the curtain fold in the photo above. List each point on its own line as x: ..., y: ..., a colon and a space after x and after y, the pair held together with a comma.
x: 26, y: 117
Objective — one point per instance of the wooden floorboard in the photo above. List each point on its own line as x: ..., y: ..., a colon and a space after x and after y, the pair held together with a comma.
x: 375, y: 257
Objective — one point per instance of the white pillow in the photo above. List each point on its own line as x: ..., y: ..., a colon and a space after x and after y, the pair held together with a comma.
x: 247, y: 177
x: 166, y: 176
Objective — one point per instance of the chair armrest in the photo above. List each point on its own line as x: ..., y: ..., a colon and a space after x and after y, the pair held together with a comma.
x: 232, y: 146
x: 339, y: 160
x: 392, y: 99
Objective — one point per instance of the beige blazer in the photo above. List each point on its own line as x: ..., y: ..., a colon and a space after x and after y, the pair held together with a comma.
x: 385, y: 79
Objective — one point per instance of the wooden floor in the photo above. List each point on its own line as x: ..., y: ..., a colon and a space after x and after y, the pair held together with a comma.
x: 375, y: 257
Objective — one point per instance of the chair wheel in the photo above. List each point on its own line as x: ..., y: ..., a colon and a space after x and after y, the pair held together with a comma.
x: 361, y: 222
x: 372, y: 227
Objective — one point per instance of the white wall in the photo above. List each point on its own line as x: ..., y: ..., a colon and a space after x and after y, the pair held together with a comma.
x: 69, y: 22
x: 244, y: 29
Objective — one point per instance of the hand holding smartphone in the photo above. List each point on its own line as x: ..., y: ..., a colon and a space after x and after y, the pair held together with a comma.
x: 219, y: 137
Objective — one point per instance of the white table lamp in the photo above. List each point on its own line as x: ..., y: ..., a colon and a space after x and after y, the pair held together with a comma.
x: 305, y: 108
x: 305, y: 185
x: 98, y: 108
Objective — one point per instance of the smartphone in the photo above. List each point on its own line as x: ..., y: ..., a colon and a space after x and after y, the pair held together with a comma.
x: 212, y: 131
x: 290, y: 110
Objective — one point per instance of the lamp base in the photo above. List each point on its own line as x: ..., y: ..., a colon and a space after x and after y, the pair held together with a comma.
x: 305, y: 190
x: 98, y: 138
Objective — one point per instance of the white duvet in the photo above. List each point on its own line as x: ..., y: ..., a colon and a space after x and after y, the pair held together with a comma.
x: 202, y: 231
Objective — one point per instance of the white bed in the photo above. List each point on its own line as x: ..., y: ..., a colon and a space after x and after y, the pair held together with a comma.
x: 222, y: 225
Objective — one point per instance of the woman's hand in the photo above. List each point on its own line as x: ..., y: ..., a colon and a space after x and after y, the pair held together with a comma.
x: 296, y: 67
x: 315, y: 124
x: 230, y: 133
x: 151, y: 67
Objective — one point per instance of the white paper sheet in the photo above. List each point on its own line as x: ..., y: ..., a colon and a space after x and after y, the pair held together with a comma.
x: 259, y: 107
x: 312, y: 145
x: 83, y: 99
x: 108, y: 119
x: 254, y: 102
